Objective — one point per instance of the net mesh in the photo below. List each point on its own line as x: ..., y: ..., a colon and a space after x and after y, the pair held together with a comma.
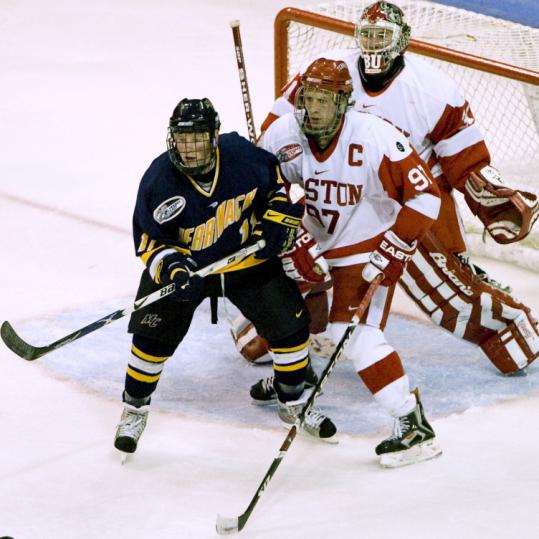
x: 507, y: 110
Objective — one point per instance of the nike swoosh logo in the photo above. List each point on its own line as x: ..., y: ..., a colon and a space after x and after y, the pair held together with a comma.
x: 299, y: 313
x: 320, y: 171
x: 367, y: 106
x: 353, y: 308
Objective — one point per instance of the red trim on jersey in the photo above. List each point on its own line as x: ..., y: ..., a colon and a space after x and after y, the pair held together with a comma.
x: 457, y: 167
x: 270, y: 118
x: 365, y: 246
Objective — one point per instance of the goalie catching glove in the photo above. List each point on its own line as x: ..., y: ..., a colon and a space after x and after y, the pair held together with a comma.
x: 304, y: 263
x: 389, y: 258
x: 508, y: 214
x: 278, y: 227
x: 178, y: 267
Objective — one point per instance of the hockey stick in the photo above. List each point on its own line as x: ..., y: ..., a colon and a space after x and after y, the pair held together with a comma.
x: 30, y: 353
x: 235, y: 25
x: 229, y: 525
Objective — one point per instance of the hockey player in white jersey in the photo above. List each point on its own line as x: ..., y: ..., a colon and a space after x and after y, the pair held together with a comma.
x: 428, y: 108
x: 369, y: 198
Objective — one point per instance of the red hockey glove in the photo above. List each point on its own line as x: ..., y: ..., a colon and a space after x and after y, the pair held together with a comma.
x: 389, y: 258
x: 304, y: 262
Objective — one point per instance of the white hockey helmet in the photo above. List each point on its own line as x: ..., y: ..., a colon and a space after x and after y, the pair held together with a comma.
x: 382, y: 35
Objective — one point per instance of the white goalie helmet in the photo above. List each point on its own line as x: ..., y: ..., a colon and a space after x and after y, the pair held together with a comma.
x: 382, y: 35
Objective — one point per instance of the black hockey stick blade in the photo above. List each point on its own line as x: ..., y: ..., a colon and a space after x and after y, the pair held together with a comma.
x: 17, y: 345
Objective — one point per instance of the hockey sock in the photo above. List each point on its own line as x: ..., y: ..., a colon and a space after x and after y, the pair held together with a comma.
x: 290, y: 360
x: 146, y: 363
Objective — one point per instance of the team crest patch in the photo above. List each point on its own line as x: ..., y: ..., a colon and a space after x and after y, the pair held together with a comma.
x: 289, y: 152
x: 168, y: 209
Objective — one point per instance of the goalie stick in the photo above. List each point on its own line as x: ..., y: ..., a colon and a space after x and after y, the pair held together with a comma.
x: 228, y: 525
x: 242, y: 72
x: 30, y: 353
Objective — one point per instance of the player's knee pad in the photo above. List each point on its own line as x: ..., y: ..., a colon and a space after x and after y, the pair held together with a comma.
x: 449, y: 292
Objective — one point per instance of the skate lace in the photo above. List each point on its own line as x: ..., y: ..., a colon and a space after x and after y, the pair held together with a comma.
x: 267, y: 384
x: 314, y: 418
x: 132, y: 423
x: 483, y: 275
x: 400, y: 427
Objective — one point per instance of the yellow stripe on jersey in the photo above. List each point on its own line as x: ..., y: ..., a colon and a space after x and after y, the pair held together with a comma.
x: 142, y: 377
x: 147, y: 357
x: 293, y: 367
x: 282, y: 218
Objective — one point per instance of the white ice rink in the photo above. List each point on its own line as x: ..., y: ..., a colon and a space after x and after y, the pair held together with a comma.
x: 87, y: 89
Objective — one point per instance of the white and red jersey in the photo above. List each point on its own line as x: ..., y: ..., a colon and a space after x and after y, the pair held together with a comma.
x: 367, y: 181
x: 423, y: 103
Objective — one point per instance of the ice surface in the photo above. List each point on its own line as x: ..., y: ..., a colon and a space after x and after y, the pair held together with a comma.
x: 87, y: 89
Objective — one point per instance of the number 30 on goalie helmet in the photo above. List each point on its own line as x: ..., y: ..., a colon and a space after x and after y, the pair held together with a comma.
x: 193, y: 131
x: 382, y: 35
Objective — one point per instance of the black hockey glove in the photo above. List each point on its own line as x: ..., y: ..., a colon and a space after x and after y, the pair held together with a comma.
x: 178, y: 268
x: 278, y: 227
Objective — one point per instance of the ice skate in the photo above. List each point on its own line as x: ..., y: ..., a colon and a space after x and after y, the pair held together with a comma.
x: 131, y: 427
x: 413, y: 440
x: 263, y: 392
x: 316, y: 424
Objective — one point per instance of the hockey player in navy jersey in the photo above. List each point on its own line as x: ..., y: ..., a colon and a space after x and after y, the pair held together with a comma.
x: 203, y: 199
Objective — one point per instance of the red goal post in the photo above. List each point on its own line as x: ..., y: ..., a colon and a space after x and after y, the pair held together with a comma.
x: 503, y: 96
x: 290, y: 14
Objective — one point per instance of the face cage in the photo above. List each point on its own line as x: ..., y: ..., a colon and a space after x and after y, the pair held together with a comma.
x: 379, y: 59
x: 202, y: 165
x: 340, y: 100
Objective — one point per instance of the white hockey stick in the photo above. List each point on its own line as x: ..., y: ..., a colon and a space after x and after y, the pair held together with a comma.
x: 30, y: 353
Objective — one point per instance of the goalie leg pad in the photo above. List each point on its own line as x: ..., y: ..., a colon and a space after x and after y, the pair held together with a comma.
x: 514, y: 347
x: 470, y: 308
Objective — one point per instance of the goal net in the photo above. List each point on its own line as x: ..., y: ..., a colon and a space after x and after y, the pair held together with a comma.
x: 498, y: 74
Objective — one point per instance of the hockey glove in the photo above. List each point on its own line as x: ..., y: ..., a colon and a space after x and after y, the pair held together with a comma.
x: 178, y: 268
x: 278, y: 227
x: 508, y: 214
x: 304, y: 263
x: 389, y: 259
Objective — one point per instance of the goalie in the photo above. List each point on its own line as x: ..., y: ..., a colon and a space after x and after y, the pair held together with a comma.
x: 428, y: 108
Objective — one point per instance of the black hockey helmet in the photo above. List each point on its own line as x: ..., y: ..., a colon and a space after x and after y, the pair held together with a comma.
x: 193, y: 130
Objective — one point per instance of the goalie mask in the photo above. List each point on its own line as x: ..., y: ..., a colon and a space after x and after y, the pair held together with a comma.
x: 323, y: 97
x: 382, y: 35
x: 193, y: 131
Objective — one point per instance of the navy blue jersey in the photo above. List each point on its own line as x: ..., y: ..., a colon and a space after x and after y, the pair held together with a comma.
x: 173, y: 211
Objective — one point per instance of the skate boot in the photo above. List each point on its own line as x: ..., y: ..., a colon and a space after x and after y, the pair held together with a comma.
x: 131, y: 427
x: 264, y: 393
x: 483, y: 275
x: 315, y: 424
x: 413, y: 440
